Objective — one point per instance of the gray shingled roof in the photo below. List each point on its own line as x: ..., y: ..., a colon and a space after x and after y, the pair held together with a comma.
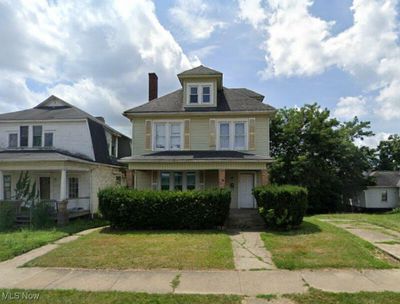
x: 200, y: 70
x: 386, y: 178
x: 234, y: 100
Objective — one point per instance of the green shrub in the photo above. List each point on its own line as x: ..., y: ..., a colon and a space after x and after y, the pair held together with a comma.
x: 126, y: 208
x: 42, y: 215
x: 7, y: 215
x: 281, y: 206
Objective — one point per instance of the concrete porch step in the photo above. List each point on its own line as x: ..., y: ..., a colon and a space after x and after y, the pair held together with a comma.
x: 245, y: 219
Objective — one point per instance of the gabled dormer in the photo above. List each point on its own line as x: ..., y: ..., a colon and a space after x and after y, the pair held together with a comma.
x: 200, y: 87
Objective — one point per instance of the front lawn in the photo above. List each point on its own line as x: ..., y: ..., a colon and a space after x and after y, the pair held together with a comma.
x: 320, y: 297
x: 143, y: 250
x: 13, y: 243
x: 110, y: 297
x: 387, y: 220
x: 321, y: 245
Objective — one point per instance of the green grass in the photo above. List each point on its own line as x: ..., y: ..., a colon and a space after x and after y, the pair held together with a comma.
x: 108, y: 249
x: 321, y: 245
x: 320, y: 297
x: 13, y: 243
x: 84, y: 297
x: 386, y: 220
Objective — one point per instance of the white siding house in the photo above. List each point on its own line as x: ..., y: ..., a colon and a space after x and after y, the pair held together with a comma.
x: 68, y: 153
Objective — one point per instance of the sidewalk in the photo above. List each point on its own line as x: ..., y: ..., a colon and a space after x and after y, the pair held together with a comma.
x: 238, y: 282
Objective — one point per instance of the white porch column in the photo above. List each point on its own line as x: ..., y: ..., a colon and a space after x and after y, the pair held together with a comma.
x: 1, y: 185
x: 63, y: 185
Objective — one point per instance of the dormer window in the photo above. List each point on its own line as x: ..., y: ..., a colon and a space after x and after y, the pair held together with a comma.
x: 200, y: 94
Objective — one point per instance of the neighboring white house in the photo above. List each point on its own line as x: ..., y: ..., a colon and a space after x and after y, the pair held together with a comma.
x: 68, y: 152
x: 384, y: 194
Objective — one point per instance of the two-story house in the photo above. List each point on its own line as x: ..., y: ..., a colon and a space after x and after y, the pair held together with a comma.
x: 68, y: 153
x: 202, y: 135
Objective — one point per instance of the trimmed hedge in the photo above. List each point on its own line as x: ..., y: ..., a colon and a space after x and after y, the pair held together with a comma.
x: 126, y: 208
x: 281, y: 206
x: 7, y: 215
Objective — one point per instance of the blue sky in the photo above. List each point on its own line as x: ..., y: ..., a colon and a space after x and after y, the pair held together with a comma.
x: 342, y: 54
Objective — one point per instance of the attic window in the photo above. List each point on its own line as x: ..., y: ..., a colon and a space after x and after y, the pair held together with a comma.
x: 200, y: 94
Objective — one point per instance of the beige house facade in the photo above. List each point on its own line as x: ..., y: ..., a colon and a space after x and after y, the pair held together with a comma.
x: 201, y: 136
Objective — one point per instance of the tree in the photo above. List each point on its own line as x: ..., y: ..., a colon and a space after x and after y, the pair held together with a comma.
x: 316, y: 151
x: 389, y: 153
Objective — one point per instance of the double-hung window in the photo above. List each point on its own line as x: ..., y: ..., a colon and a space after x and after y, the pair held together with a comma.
x: 37, y: 136
x: 200, y: 94
x: 232, y: 135
x: 48, y: 139
x: 13, y: 140
x: 168, y: 136
x: 23, y: 136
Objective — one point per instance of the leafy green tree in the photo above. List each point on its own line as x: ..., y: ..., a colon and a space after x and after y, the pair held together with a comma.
x: 389, y: 153
x: 316, y: 151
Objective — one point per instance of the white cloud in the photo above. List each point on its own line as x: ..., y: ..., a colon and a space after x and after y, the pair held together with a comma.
x: 252, y: 12
x: 194, y: 19
x: 372, y: 141
x: 348, y: 107
x: 93, y: 54
x: 300, y: 44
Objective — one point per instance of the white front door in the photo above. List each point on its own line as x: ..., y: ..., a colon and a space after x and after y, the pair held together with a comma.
x: 245, y: 195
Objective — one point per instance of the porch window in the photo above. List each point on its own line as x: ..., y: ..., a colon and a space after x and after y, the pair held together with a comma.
x: 37, y: 136
x: 73, y: 187
x: 13, y: 140
x: 168, y: 136
x: 232, y: 135
x: 7, y: 187
x: 48, y: 139
x: 165, y: 180
x: 23, y: 136
x: 178, y: 181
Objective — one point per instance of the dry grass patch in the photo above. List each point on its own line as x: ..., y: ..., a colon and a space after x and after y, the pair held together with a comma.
x: 143, y: 250
x: 321, y: 245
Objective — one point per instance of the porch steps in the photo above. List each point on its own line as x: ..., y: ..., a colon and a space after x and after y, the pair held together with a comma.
x: 245, y: 219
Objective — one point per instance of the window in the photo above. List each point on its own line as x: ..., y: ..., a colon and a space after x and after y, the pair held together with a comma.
x: 194, y: 98
x: 199, y: 94
x: 37, y: 136
x: 232, y: 135
x: 224, y: 135
x: 178, y: 181
x: 165, y: 180
x: 13, y: 140
x: 206, y: 94
x: 7, y: 187
x: 384, y: 197
x: 73, y: 187
x: 48, y: 139
x: 190, y: 180
x: 23, y: 136
x: 114, y: 146
x: 168, y: 136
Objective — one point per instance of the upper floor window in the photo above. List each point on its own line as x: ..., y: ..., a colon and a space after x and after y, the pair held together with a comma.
x: 23, y: 136
x: 232, y: 135
x: 37, y: 136
x: 168, y: 136
x: 200, y: 94
x: 48, y: 139
x: 13, y: 140
x: 113, y: 145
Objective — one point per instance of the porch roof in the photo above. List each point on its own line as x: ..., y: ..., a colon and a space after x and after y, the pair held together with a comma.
x: 40, y: 155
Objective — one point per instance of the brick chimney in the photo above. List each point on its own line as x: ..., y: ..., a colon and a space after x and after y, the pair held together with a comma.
x: 153, y: 86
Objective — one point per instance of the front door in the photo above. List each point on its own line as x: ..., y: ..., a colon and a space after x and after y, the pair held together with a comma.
x: 246, y: 185
x: 44, y: 188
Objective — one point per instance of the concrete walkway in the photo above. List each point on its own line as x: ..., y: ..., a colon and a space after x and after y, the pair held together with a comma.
x: 385, y: 239
x: 250, y: 283
x: 249, y: 251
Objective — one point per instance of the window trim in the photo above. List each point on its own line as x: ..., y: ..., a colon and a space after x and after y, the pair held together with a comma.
x: 20, y: 135
x: 199, y: 86
x: 33, y: 136
x: 44, y: 139
x: 232, y: 134
x: 167, y: 134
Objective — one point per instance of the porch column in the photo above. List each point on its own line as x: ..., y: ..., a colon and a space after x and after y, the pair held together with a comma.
x: 63, y: 185
x: 1, y: 185
x: 129, y: 178
x: 264, y: 177
x: 221, y: 178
